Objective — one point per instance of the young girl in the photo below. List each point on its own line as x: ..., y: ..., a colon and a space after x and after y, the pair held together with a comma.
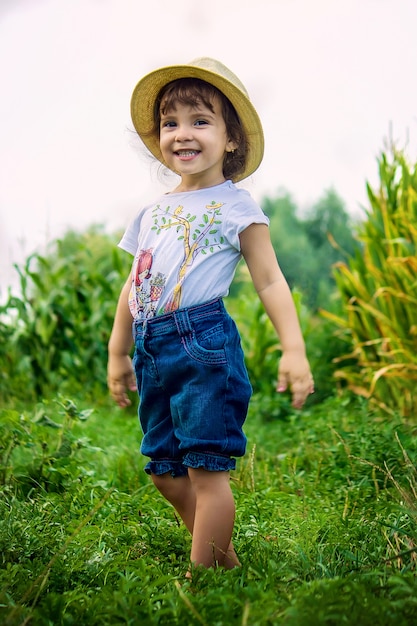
x: 188, y: 365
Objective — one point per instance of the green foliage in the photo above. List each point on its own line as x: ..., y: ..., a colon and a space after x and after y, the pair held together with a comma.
x: 41, y: 450
x: 55, y: 332
x: 378, y: 288
x: 308, y: 246
x: 329, y: 229
x: 326, y: 525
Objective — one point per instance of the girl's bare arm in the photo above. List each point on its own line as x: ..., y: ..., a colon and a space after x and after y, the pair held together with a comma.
x: 275, y: 294
x: 120, y: 374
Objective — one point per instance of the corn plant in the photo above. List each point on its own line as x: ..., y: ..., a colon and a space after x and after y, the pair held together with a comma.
x: 55, y: 331
x: 378, y: 287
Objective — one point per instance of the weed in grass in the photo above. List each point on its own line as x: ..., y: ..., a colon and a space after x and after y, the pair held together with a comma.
x: 45, y: 449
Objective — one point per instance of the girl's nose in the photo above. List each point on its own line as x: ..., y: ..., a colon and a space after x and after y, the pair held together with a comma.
x: 184, y: 133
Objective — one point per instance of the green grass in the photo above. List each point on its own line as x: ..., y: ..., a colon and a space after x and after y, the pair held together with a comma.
x: 326, y: 524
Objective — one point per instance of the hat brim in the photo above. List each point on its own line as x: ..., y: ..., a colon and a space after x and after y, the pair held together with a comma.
x: 145, y: 94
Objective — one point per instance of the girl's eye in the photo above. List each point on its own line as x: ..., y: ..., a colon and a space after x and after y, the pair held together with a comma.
x: 168, y: 124
x: 200, y: 122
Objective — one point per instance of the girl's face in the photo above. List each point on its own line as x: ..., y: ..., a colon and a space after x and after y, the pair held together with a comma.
x: 193, y: 142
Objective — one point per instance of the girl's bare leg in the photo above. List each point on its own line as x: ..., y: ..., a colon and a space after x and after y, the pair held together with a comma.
x: 181, y: 493
x: 214, y: 517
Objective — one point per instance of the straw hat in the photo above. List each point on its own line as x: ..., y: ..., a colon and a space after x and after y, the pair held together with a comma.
x: 213, y: 72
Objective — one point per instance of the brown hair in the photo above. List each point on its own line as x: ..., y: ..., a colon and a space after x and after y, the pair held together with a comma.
x: 194, y: 91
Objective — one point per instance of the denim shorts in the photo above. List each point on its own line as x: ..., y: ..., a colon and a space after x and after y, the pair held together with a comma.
x: 194, y: 389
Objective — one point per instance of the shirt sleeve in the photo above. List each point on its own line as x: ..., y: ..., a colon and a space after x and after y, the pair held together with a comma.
x: 129, y: 241
x: 243, y: 213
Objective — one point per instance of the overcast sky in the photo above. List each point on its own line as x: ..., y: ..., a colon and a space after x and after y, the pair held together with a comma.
x: 328, y: 78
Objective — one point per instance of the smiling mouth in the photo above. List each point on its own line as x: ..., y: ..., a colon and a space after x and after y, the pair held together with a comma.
x: 187, y: 153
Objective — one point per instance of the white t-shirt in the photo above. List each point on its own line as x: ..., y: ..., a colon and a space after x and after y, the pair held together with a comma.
x: 186, y: 247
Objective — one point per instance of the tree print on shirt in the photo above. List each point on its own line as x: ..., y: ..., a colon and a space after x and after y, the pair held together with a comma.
x: 200, y: 238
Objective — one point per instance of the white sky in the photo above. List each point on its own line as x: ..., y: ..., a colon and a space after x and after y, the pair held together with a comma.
x: 328, y: 78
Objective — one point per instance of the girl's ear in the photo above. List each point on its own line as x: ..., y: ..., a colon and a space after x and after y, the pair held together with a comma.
x: 231, y: 145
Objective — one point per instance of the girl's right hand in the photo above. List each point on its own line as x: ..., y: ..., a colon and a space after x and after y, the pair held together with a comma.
x: 120, y: 379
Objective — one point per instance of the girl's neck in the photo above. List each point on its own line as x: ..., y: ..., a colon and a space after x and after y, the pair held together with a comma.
x: 190, y: 184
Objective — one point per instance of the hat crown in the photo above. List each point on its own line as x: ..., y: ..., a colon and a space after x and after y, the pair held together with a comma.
x: 216, y: 67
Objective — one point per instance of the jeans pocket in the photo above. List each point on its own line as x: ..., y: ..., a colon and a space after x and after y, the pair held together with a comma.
x: 207, y: 345
x: 212, y: 338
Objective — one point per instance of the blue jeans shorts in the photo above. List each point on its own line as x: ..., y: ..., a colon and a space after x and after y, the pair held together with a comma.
x: 194, y: 389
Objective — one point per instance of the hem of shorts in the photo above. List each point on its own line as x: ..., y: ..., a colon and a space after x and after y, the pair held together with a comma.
x: 175, y: 468
x: 208, y: 461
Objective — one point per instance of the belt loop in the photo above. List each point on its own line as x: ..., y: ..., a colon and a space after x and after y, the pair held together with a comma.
x: 139, y: 325
x: 182, y: 322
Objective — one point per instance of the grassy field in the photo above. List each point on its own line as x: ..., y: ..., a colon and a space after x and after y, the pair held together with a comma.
x: 326, y: 524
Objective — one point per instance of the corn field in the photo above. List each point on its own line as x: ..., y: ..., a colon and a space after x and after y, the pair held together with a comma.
x: 378, y: 287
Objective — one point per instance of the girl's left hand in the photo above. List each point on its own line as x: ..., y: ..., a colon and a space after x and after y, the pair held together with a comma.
x: 294, y: 373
